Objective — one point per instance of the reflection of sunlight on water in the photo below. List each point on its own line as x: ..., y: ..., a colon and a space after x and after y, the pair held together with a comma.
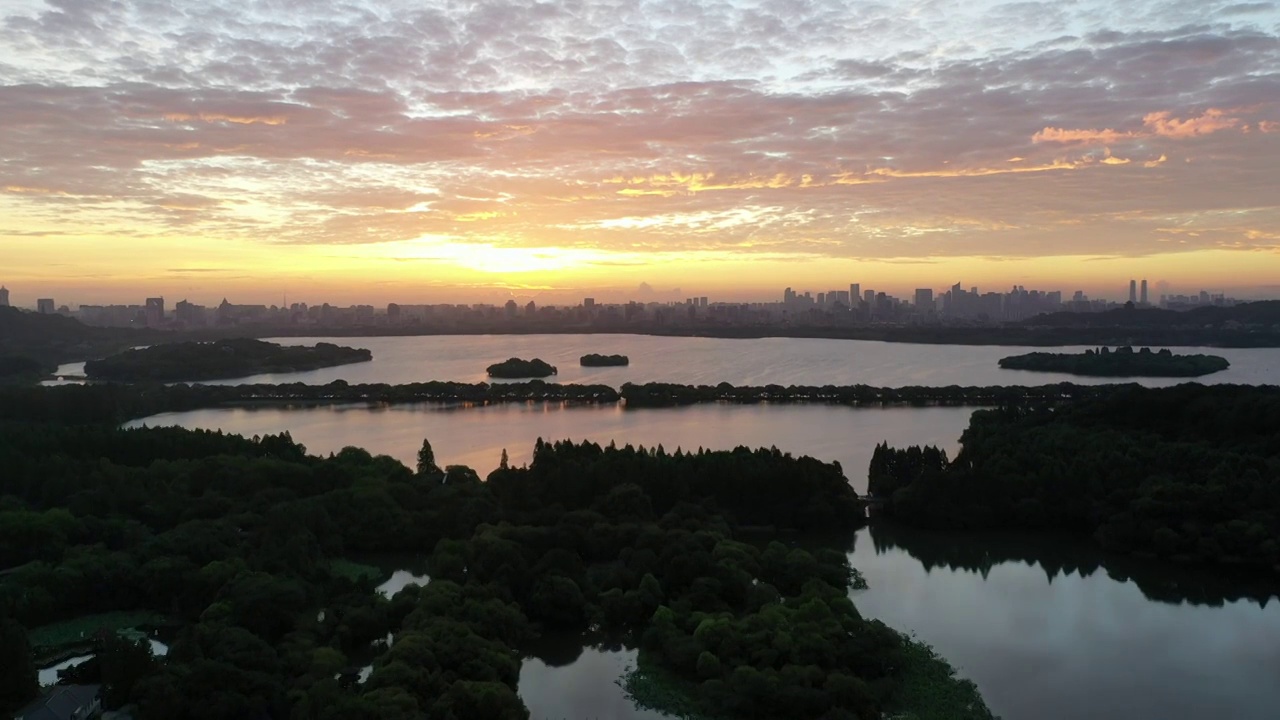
x: 49, y: 675
x: 477, y: 436
x: 399, y: 580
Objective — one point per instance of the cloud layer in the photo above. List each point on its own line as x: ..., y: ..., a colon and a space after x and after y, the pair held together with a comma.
x: 806, y: 128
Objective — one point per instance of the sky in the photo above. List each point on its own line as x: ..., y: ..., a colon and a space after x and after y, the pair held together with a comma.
x: 420, y: 151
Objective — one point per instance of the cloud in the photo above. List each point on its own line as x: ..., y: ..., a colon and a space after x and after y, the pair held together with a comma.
x: 1207, y: 123
x: 845, y: 132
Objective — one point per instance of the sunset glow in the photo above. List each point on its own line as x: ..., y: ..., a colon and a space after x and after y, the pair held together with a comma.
x: 434, y: 152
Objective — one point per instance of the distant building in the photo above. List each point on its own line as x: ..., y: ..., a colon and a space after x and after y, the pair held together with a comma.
x: 1144, y: 291
x: 45, y: 306
x: 155, y: 311
x: 65, y: 702
x: 855, y: 292
x: 588, y: 303
x: 511, y: 309
x: 924, y: 299
x: 4, y: 297
x: 1133, y: 291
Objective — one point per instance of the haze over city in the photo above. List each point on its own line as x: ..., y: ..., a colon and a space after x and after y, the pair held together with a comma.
x: 436, y: 152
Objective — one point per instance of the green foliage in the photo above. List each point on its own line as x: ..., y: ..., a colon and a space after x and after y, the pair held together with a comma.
x: 354, y: 571
x: 1122, y: 362
x: 1187, y: 472
x: 427, y: 459
x: 596, y: 360
x: 17, y: 671
x: 931, y: 690
x: 240, y: 542
x: 518, y: 368
x: 193, y: 361
x: 85, y: 628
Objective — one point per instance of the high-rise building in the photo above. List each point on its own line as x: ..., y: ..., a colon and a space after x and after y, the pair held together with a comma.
x: 588, y: 303
x: 45, y: 306
x: 822, y: 299
x: 702, y: 301
x: 4, y: 297
x: 855, y: 292
x: 1144, y: 292
x: 155, y: 311
x: 869, y: 296
x: 1133, y: 291
x: 924, y: 299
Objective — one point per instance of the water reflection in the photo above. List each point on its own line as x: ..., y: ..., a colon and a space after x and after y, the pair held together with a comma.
x: 575, y: 676
x: 48, y: 675
x: 1051, y: 629
x: 1059, y: 556
x: 399, y: 580
x: 476, y: 436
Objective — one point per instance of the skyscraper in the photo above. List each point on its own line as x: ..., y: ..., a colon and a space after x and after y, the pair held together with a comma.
x: 155, y: 311
x: 4, y: 296
x: 855, y: 292
x: 45, y: 306
x: 1144, y: 291
x: 1133, y: 291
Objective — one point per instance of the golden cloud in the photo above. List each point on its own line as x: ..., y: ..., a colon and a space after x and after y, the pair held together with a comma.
x: 221, y: 117
x: 1211, y: 121
x: 1091, y: 137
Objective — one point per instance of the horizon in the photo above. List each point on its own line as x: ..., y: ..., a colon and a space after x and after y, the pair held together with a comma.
x: 407, y: 152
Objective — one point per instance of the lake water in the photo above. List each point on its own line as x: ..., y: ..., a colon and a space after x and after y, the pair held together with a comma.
x: 476, y: 436
x: 1048, y: 629
x: 708, y: 361
x: 48, y: 675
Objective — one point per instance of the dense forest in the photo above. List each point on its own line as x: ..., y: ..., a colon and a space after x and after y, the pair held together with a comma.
x: 656, y: 394
x: 1190, y: 473
x: 50, y: 340
x: 595, y: 360
x: 193, y: 361
x: 516, y: 368
x: 242, y: 544
x: 1121, y: 362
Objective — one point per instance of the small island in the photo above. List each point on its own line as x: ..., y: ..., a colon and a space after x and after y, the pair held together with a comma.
x: 1121, y: 362
x: 241, y: 357
x: 594, y: 360
x: 518, y: 368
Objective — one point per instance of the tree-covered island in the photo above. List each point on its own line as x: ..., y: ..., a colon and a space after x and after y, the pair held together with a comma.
x: 1121, y: 362
x: 196, y: 361
x: 1188, y: 473
x: 245, y: 547
x: 515, y: 368
x: 595, y: 360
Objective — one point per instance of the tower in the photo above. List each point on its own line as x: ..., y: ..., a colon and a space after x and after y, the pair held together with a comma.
x: 1133, y: 291
x: 1144, y: 291
x: 4, y: 296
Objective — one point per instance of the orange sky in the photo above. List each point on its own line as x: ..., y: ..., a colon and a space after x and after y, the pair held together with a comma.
x: 422, y: 152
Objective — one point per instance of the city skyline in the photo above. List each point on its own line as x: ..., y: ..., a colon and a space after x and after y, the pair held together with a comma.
x: 1159, y: 291
x: 435, y: 150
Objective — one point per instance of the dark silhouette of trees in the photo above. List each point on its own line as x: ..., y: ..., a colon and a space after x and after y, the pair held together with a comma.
x: 1187, y: 472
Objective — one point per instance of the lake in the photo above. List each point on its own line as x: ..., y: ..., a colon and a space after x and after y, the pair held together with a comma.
x: 476, y: 436
x: 1047, y: 628
x: 709, y: 361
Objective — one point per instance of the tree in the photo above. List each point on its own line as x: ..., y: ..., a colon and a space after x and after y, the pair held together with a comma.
x: 427, y: 459
x: 124, y: 663
x: 17, y: 673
